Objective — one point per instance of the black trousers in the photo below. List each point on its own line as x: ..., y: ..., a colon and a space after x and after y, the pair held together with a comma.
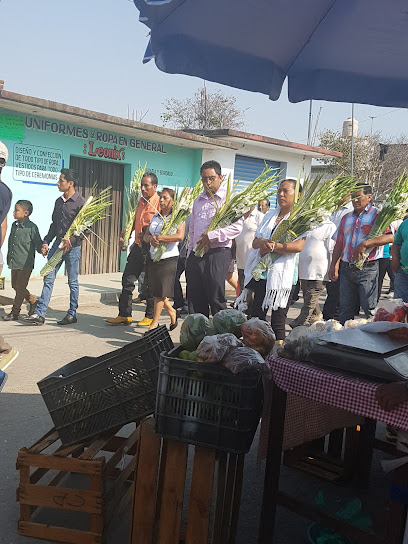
x: 178, y: 297
x: 384, y: 265
x: 331, y: 306
x: 278, y: 317
x: 206, y: 281
x: 332, y: 302
x: 133, y: 269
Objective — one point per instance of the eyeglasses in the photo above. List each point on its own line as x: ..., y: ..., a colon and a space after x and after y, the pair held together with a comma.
x: 209, y: 178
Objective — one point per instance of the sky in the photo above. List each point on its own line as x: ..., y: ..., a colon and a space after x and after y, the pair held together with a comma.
x: 89, y: 54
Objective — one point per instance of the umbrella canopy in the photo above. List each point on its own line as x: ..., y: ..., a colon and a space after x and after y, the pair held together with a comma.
x: 342, y: 51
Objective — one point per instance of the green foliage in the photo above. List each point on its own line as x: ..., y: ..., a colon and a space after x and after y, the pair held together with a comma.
x: 238, y: 204
x: 95, y: 209
x: 318, y: 200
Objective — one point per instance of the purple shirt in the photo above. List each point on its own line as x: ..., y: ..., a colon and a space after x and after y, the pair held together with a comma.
x: 201, y: 215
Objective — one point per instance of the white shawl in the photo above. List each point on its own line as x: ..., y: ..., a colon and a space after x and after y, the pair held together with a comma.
x: 280, y: 275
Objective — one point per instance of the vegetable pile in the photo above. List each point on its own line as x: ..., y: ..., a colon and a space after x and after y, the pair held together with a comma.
x: 217, y: 341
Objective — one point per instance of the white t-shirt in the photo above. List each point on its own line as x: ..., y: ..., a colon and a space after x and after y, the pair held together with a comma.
x: 337, y: 216
x: 244, y: 240
x: 314, y: 259
x: 155, y: 227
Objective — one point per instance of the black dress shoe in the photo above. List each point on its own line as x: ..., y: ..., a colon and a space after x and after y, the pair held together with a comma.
x: 32, y: 308
x: 32, y: 320
x: 173, y: 325
x: 68, y: 320
x: 10, y: 317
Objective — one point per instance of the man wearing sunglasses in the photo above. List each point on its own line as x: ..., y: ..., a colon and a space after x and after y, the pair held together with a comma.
x: 206, y: 275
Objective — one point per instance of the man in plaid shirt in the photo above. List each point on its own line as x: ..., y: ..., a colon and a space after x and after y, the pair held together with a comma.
x: 351, y: 243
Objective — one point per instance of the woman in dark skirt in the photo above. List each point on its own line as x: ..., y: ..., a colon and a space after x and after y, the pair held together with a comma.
x: 163, y: 273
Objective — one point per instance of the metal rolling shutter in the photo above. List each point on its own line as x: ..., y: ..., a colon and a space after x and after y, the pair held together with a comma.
x: 247, y: 169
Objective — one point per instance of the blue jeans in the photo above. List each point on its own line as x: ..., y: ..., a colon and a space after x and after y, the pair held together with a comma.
x: 401, y: 285
x: 71, y: 260
x: 354, y: 283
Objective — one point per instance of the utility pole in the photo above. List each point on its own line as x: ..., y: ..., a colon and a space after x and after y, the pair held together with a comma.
x: 309, y: 128
x: 352, y: 141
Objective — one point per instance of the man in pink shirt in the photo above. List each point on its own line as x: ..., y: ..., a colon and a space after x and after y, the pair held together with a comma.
x: 206, y: 275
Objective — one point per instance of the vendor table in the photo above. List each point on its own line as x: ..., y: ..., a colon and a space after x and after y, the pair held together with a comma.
x: 352, y: 394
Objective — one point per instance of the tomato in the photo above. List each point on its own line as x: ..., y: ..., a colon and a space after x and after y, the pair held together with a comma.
x: 382, y: 315
x: 400, y: 313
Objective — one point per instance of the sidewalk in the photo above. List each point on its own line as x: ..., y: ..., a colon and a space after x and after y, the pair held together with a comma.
x: 94, y: 288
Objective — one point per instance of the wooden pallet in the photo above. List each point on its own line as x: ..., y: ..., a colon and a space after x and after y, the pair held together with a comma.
x: 337, y: 464
x: 46, y: 470
x: 161, y: 487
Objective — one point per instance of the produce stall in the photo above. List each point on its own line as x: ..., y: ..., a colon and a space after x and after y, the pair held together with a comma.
x: 378, y: 350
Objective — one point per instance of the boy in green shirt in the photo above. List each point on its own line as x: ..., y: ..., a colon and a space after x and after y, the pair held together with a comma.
x: 24, y: 241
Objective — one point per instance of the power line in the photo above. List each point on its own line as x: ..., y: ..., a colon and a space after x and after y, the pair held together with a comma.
x: 371, y: 117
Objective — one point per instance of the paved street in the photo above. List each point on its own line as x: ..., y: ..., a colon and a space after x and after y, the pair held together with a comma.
x: 24, y: 417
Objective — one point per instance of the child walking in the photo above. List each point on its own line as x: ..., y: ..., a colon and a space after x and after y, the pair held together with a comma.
x: 24, y: 241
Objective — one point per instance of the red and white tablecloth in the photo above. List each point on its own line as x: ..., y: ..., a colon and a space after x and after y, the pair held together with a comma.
x: 353, y: 394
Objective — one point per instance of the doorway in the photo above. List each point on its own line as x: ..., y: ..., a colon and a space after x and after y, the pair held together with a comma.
x: 107, y: 231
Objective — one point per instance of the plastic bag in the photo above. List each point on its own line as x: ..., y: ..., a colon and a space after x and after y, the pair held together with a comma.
x: 193, y: 330
x: 350, y: 512
x: 258, y: 335
x: 299, y: 343
x: 213, y: 349
x: 243, y: 358
x: 391, y: 310
x: 355, y: 323
x: 226, y: 321
x: 333, y: 325
x: 319, y: 326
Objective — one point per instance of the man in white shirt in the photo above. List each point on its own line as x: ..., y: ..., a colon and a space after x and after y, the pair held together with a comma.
x: 243, y: 242
x: 314, y: 262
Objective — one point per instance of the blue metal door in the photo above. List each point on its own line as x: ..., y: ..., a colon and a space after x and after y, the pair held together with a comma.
x: 247, y: 169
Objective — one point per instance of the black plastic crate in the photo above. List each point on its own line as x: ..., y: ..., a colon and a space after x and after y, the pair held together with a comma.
x: 95, y: 394
x: 207, y: 405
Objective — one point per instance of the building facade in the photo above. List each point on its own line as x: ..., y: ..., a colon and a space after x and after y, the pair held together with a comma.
x: 43, y: 136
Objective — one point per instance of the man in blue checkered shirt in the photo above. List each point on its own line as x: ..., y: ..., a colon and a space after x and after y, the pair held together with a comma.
x: 351, y: 244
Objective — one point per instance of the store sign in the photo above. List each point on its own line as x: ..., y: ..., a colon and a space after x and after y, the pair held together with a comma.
x: 97, y: 137
x: 93, y: 150
x: 35, y: 164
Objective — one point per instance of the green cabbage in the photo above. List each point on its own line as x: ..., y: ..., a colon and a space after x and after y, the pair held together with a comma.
x: 193, y: 330
x: 229, y: 321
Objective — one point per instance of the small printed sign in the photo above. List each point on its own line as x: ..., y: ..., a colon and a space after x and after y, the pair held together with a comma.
x: 35, y: 164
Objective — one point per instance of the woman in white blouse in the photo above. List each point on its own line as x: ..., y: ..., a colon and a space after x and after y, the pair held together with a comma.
x: 163, y: 273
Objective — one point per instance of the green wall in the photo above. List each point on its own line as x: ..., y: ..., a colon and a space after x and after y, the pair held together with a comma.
x: 39, y: 147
